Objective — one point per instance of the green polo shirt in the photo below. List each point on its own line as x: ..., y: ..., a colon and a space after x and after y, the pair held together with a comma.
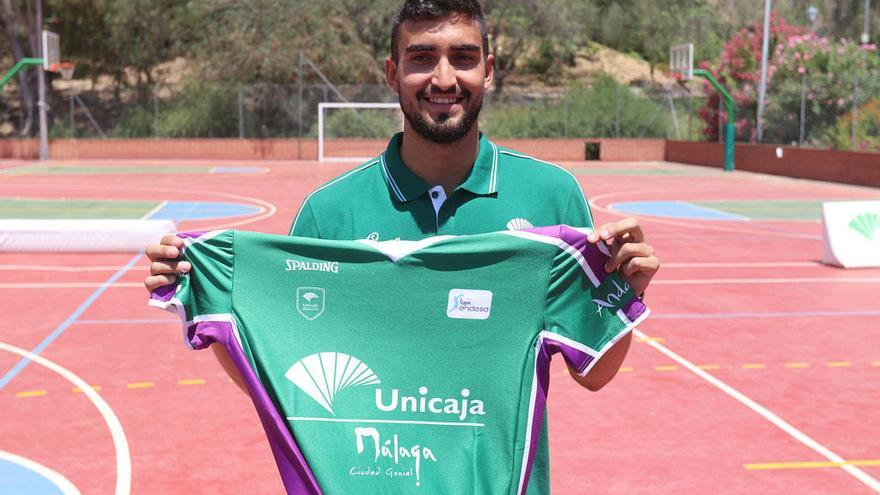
x: 506, y: 190
x: 383, y: 200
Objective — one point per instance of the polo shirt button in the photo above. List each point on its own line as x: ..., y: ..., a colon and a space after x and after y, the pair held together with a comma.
x: 435, y: 194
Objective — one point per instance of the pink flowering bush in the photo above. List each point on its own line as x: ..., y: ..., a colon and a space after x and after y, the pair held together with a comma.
x: 833, y: 69
x: 830, y: 67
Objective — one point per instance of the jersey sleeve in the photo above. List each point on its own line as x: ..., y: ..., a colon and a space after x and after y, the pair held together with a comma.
x: 204, y: 294
x: 587, y: 309
x: 577, y: 212
x: 305, y: 224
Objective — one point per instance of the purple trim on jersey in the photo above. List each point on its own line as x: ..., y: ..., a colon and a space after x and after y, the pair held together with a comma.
x: 542, y: 382
x: 594, y: 257
x: 294, y: 470
x: 192, y: 235
x: 164, y: 293
x: 634, y: 309
x: 574, y: 358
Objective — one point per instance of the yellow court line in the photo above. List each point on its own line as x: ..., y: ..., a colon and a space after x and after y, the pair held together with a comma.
x: 810, y: 464
x: 194, y: 381
x: 708, y: 366
x: 652, y: 339
x: 754, y: 366
x: 839, y: 364
x: 797, y: 365
x: 875, y: 363
x: 77, y: 390
x: 626, y: 369
x: 31, y: 393
x: 665, y: 368
x: 141, y: 385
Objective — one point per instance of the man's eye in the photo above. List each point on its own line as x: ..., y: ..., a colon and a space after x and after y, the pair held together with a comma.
x: 421, y: 58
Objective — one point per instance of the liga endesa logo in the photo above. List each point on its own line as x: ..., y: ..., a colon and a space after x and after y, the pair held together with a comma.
x: 469, y: 304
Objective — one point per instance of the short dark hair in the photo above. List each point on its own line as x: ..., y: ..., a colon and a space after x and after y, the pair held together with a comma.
x: 425, y: 10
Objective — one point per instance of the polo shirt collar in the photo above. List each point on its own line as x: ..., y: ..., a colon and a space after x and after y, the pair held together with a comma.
x: 406, y: 186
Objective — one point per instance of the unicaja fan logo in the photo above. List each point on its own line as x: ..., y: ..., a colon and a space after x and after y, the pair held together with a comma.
x: 866, y: 224
x: 321, y: 376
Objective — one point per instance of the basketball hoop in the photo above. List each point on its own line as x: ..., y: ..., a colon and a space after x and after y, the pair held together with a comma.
x: 64, y: 68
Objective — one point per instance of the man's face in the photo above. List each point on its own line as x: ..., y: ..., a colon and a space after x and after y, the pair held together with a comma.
x: 440, y: 76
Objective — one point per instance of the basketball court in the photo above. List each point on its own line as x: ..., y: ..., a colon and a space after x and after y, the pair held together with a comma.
x: 756, y: 372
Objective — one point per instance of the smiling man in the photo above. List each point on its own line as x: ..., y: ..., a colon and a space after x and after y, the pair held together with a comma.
x: 441, y: 176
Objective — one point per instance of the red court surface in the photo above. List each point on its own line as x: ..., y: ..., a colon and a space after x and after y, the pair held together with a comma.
x: 757, y: 372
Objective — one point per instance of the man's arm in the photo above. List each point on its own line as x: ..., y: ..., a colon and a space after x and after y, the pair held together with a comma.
x: 607, y: 366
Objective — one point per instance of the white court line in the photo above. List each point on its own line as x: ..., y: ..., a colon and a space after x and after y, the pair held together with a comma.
x: 68, y: 285
x: 57, y: 479
x: 766, y: 264
x: 154, y: 210
x: 59, y: 268
x: 120, y: 443
x: 766, y: 413
x: 805, y: 280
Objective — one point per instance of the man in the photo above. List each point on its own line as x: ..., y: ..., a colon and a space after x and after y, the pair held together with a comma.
x: 441, y: 176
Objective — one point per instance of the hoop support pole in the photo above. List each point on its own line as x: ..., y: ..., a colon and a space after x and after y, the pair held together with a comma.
x: 19, y: 66
x: 730, y: 133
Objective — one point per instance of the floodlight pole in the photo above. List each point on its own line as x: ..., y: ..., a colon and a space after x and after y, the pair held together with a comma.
x: 762, y: 89
x: 866, y: 36
x: 730, y: 133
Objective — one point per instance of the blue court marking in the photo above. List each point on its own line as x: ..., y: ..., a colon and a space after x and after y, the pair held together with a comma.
x: 201, y: 210
x: 70, y: 319
x: 674, y: 209
x: 237, y: 170
x: 19, y: 480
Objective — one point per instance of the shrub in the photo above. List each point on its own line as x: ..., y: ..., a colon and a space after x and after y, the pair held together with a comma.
x: 587, y: 111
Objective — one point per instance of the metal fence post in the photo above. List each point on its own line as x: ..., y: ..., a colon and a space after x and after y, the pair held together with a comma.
x: 72, y: 115
x: 855, y: 108
x: 240, y: 112
x: 565, y: 115
x: 803, y: 109
x: 155, y: 113
x: 617, y: 111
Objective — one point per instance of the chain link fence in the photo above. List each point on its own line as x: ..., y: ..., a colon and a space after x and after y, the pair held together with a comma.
x: 843, y: 115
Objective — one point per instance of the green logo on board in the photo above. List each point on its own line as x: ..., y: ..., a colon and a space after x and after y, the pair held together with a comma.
x: 866, y: 224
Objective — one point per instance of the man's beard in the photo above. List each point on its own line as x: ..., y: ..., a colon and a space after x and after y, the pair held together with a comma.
x: 442, y: 131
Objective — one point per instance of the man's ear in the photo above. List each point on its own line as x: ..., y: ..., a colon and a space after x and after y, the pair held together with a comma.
x: 490, y: 71
x: 391, y: 75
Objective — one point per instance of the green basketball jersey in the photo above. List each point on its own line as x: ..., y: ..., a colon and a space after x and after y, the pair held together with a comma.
x: 402, y: 367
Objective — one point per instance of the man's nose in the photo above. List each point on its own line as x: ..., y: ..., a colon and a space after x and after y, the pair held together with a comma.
x: 444, y: 75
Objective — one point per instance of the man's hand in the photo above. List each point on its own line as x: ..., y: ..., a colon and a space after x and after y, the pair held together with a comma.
x: 164, y: 265
x: 629, y: 252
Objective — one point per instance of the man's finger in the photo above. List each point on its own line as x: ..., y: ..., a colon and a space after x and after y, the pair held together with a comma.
x: 614, y: 229
x: 156, y: 281
x: 171, y: 240
x: 645, y: 264
x: 626, y: 252
x: 169, y: 267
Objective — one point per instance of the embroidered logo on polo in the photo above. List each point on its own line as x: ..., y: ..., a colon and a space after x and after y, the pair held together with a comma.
x: 310, y: 302
x: 519, y: 224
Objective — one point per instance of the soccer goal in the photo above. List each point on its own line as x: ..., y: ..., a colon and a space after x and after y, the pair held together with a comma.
x: 355, y: 131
